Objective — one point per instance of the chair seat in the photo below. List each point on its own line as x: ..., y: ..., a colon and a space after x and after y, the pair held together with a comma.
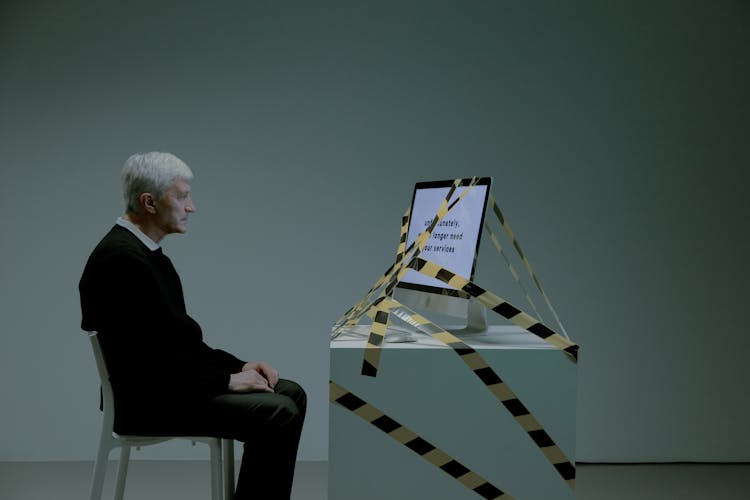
x: 140, y: 440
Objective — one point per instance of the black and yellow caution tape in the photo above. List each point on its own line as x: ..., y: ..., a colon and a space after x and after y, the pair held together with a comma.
x: 416, y: 248
x: 379, y: 305
x: 396, y: 271
x: 489, y: 378
x: 380, y: 322
x: 509, y: 232
x: 380, y: 318
x: 415, y: 443
x: 511, y: 269
x: 497, y: 304
x: 403, y: 235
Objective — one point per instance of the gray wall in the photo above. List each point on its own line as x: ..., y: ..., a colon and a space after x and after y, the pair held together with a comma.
x: 616, y: 133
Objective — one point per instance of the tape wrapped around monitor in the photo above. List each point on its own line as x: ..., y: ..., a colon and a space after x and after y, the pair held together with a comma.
x: 379, y: 305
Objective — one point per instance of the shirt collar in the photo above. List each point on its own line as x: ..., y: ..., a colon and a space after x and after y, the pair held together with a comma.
x: 150, y: 244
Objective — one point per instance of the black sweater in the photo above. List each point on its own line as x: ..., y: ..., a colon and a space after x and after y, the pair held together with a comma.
x: 159, y: 365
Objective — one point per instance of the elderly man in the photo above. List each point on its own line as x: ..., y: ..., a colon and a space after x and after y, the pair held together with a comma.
x: 165, y: 379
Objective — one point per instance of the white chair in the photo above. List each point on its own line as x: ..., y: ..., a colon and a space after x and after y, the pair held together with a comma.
x: 222, y: 450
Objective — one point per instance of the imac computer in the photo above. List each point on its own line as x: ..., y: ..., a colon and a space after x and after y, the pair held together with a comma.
x: 454, y: 245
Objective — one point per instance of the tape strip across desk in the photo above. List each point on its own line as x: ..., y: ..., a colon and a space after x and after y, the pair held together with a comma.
x: 424, y: 387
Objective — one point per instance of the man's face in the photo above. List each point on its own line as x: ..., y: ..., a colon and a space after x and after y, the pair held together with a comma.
x: 173, y: 207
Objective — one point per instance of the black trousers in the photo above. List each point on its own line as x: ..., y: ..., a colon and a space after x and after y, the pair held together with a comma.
x: 269, y: 425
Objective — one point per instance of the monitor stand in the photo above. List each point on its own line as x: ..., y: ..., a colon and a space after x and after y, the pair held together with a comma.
x: 476, y: 319
x: 476, y: 323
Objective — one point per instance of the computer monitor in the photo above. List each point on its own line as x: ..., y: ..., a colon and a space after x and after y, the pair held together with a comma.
x: 454, y: 245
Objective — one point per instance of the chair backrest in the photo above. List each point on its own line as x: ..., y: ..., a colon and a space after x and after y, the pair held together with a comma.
x: 108, y: 400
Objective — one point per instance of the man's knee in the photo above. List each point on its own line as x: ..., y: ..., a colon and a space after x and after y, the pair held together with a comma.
x: 295, y: 392
x: 286, y: 414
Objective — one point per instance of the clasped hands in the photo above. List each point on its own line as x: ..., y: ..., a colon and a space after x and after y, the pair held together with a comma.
x: 254, y: 377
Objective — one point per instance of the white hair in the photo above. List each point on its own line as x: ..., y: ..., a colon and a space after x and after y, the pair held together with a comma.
x: 150, y: 173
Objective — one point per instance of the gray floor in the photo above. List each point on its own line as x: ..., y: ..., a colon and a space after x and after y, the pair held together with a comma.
x: 155, y: 480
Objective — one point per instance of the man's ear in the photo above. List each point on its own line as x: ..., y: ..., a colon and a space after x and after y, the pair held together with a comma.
x: 147, y: 202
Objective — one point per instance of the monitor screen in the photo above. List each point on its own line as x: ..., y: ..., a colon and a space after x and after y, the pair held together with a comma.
x: 454, y: 242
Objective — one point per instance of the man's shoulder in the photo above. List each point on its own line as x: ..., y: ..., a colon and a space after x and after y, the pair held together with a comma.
x: 119, y: 243
x: 116, y: 268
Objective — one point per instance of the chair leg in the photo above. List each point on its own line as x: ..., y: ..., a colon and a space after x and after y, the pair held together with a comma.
x: 216, y: 468
x: 122, y: 472
x: 227, y: 446
x: 100, y: 469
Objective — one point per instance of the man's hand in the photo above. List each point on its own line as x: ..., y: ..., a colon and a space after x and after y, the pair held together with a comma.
x: 267, y: 371
x: 249, y: 381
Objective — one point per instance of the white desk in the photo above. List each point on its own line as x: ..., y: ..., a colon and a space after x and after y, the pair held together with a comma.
x: 428, y: 388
